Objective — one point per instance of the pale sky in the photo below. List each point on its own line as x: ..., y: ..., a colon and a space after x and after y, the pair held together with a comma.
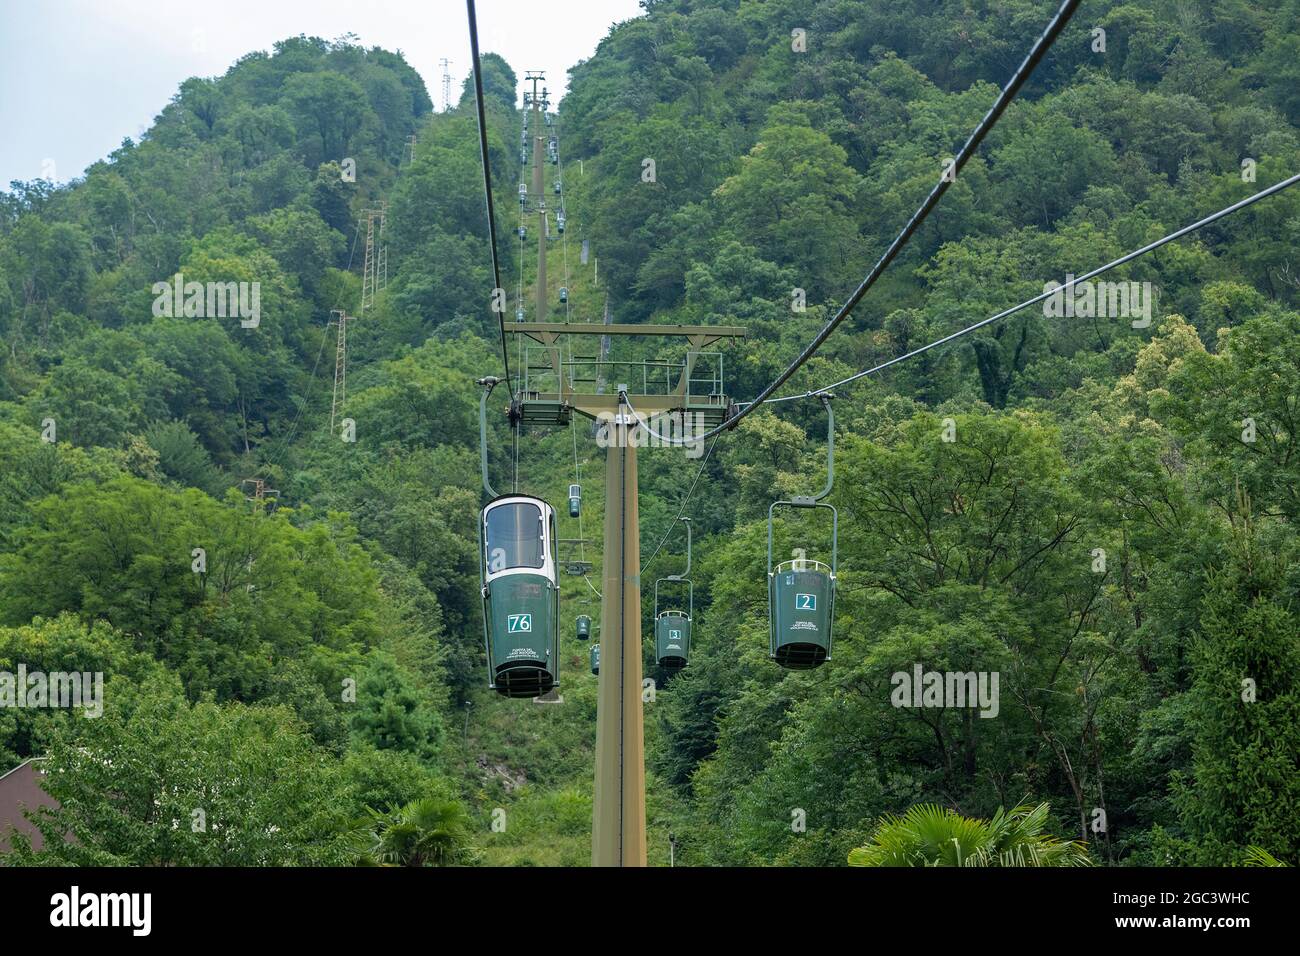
x: 78, y: 76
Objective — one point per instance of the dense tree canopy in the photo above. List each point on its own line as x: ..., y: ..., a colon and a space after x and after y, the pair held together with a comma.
x: 1099, y: 511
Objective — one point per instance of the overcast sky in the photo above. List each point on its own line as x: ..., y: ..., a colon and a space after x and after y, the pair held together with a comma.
x: 78, y: 76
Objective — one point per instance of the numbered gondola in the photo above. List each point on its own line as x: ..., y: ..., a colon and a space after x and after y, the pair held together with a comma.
x: 672, y: 638
x: 519, y: 573
x: 673, y: 625
x: 801, y: 600
x: 801, y: 592
x: 521, y: 595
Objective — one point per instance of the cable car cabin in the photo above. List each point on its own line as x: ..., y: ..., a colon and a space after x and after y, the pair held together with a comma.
x: 521, y: 596
x: 558, y: 187
x: 584, y: 627
x: 801, y: 593
x: 672, y: 625
x: 595, y: 658
x: 559, y: 223
x: 564, y: 294
x: 672, y: 639
x: 575, y: 500
x: 801, y: 596
x: 523, y: 232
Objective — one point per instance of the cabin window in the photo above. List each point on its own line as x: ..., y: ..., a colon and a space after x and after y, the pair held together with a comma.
x: 514, y: 537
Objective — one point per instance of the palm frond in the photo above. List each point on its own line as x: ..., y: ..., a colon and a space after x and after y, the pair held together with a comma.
x: 931, y: 835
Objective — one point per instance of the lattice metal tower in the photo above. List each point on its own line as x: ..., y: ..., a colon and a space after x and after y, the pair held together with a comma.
x: 260, y: 491
x: 375, y: 274
x: 340, y: 366
x: 446, y: 83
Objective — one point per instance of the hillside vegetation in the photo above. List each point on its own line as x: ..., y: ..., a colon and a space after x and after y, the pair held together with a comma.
x: 1112, y: 530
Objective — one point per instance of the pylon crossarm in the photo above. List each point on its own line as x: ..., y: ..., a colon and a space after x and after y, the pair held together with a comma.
x: 697, y: 335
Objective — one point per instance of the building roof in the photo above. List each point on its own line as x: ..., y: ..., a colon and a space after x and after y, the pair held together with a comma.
x: 20, y: 789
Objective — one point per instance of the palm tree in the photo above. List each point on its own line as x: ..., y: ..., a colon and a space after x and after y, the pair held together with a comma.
x: 1258, y: 856
x: 426, y: 832
x: 930, y: 835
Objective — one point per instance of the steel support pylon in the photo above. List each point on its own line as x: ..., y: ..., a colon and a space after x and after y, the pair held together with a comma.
x: 618, y: 818
x: 539, y: 197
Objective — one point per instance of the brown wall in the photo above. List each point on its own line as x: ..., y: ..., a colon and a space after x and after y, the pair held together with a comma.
x: 21, y: 789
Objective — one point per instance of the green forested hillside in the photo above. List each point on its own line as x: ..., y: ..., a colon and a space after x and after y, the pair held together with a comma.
x: 326, y: 667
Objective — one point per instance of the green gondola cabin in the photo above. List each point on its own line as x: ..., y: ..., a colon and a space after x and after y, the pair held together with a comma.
x: 802, y: 598
x: 520, y: 596
x: 672, y: 639
x: 673, y: 625
x: 801, y: 593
